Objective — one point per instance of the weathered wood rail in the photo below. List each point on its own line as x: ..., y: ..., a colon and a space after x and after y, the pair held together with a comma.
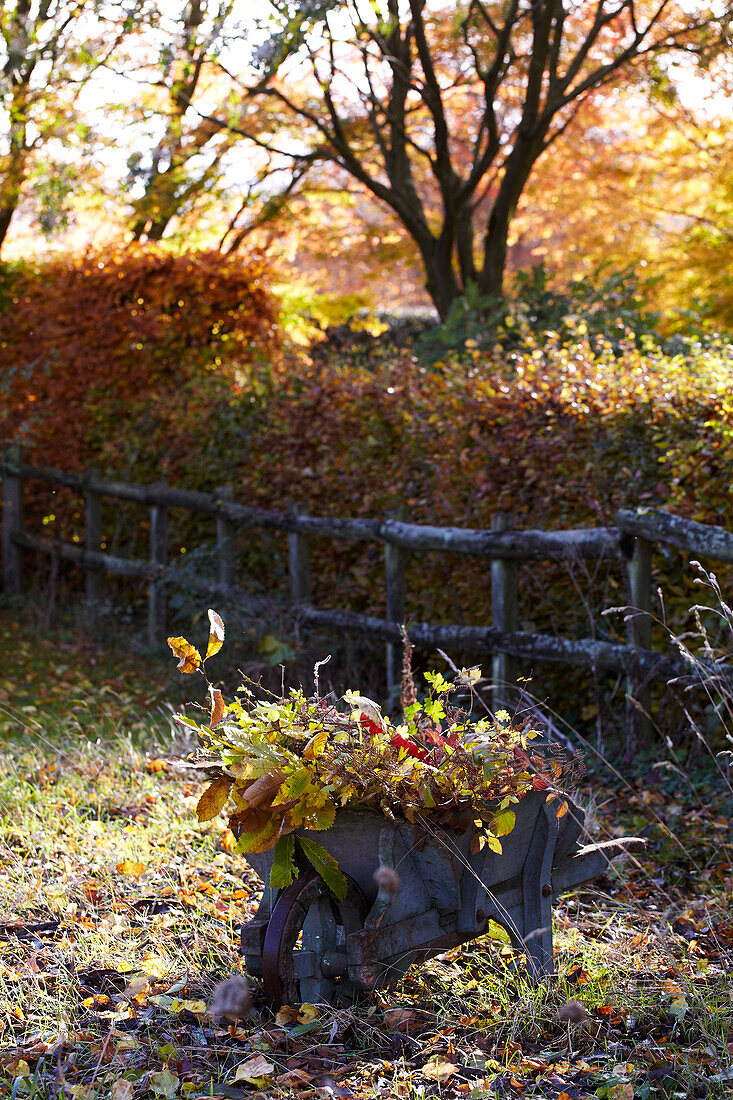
x: 630, y: 542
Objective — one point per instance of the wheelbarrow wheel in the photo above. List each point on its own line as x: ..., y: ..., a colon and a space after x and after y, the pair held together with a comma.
x: 304, y: 957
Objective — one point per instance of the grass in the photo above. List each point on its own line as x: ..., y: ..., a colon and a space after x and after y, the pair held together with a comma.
x: 120, y: 913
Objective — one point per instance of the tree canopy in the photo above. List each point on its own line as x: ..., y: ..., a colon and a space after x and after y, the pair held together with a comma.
x: 442, y: 115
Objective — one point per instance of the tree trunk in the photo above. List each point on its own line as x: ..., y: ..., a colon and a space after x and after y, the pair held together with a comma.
x: 518, y: 169
x: 441, y: 284
x: 6, y: 216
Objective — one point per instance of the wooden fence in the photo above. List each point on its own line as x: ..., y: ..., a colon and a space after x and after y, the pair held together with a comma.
x: 630, y: 541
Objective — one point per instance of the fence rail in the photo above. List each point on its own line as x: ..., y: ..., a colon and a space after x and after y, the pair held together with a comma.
x: 630, y: 542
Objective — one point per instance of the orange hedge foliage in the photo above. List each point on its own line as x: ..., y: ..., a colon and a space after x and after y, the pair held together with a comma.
x: 87, y: 342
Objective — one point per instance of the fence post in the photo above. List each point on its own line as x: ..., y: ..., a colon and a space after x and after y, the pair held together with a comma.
x: 639, y: 635
x: 225, y: 534
x: 12, y: 519
x: 394, y: 575
x: 93, y: 542
x: 158, y: 557
x: 299, y: 557
x: 504, y: 617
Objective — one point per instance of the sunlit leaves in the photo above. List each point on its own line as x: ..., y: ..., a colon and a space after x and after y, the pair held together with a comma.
x: 316, y: 745
x: 503, y: 823
x: 214, y: 798
x: 216, y: 634
x: 217, y: 708
x: 283, y: 869
x: 288, y: 764
x: 189, y: 658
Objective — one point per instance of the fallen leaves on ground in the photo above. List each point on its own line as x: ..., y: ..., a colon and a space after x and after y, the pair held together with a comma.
x: 121, y: 916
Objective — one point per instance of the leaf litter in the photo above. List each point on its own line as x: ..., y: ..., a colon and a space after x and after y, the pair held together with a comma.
x: 120, y: 915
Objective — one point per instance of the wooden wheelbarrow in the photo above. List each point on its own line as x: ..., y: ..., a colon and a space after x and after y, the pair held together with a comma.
x: 309, y: 946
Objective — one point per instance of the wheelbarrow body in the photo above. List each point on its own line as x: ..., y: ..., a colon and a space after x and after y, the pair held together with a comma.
x: 308, y: 945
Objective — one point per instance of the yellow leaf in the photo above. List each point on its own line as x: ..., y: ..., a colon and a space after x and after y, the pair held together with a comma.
x: 503, y: 823
x: 130, y: 867
x: 198, y: 1008
x: 216, y: 634
x: 307, y: 1013
x: 20, y: 1068
x: 189, y: 658
x: 214, y: 798
x: 494, y: 844
x: 316, y: 745
x: 286, y: 1015
x: 154, y: 966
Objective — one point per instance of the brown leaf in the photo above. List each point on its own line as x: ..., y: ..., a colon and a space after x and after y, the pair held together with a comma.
x: 439, y: 1071
x: 263, y: 789
x: 401, y: 1019
x: 294, y: 1079
x: 214, y: 798
x: 122, y: 1090
x: 217, y: 708
x: 254, y: 1067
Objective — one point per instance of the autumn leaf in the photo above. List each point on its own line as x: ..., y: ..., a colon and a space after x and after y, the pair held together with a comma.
x: 503, y: 823
x: 263, y: 789
x: 316, y: 745
x: 189, y: 658
x: 253, y: 1069
x: 439, y: 1071
x: 214, y: 798
x: 216, y: 634
x: 217, y: 708
x: 130, y: 867
x: 294, y: 1079
x: 257, y: 831
x: 122, y: 1090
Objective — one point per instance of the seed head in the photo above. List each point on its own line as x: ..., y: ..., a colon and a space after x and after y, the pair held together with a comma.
x: 387, y: 879
x: 231, y: 998
x: 574, y: 1012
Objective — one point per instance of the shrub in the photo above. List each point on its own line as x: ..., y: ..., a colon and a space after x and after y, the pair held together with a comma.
x: 99, y: 345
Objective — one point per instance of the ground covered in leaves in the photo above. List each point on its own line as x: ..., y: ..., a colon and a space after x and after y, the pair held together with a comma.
x: 119, y: 914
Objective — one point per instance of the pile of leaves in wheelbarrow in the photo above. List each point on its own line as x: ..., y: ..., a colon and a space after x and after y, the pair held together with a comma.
x: 289, y: 763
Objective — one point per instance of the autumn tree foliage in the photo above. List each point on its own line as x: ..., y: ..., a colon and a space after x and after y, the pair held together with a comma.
x: 49, y: 51
x: 377, y: 90
x: 139, y: 339
x: 188, y: 158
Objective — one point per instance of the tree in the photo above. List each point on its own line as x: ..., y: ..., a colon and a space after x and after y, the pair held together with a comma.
x: 643, y: 182
x: 49, y: 50
x: 442, y: 115
x: 187, y: 159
